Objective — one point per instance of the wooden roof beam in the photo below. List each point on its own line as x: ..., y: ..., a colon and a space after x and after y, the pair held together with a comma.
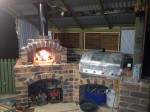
x: 79, y: 14
x: 57, y: 14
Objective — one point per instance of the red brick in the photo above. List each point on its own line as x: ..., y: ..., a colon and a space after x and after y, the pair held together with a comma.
x: 138, y: 107
x: 26, y: 82
x: 38, y: 45
x: 30, y: 48
x: 21, y: 88
x: 145, y: 89
x: 34, y: 46
x: 71, y: 86
x: 19, y: 100
x: 144, y: 102
x: 126, y: 110
x: 31, y: 80
x: 47, y: 44
x: 129, y: 99
x: 95, y: 81
x: 43, y: 76
x: 70, y: 94
x: 22, y: 107
x: 21, y: 96
x: 124, y: 92
x: 29, y: 110
x: 18, y: 92
x: 123, y: 104
x: 51, y: 45
x: 65, y: 95
x: 65, y: 87
x: 130, y: 86
x: 43, y: 44
x: 140, y: 95
x: 26, y: 49
x: 53, y: 76
x: 29, y: 41
x: 88, y: 81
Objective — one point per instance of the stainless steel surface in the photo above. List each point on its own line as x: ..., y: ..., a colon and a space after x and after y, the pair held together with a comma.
x: 43, y: 23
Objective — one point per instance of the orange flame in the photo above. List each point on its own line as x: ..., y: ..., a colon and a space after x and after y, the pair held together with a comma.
x: 43, y: 55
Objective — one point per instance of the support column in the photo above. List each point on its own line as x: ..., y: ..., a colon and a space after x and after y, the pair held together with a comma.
x: 139, y: 40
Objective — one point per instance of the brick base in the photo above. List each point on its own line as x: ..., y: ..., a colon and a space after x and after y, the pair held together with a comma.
x: 134, y: 97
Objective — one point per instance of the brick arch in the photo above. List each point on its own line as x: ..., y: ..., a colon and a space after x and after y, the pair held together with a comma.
x: 108, y: 83
x: 45, y: 76
x: 66, y: 85
x: 56, y: 46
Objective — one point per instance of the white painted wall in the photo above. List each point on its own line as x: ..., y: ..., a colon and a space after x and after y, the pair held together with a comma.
x: 127, y: 41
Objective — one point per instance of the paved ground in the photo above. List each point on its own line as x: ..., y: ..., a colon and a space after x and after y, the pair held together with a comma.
x: 69, y: 107
x: 59, y: 107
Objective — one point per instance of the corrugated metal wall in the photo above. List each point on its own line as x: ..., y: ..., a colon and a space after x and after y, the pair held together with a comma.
x: 127, y: 41
x: 26, y: 31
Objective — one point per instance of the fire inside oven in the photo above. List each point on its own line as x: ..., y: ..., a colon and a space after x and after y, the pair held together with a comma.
x: 44, y: 56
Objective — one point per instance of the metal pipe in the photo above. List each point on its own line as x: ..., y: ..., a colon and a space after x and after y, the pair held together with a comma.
x: 42, y: 15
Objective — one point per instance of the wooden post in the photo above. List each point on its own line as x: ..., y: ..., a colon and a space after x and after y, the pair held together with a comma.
x: 139, y: 34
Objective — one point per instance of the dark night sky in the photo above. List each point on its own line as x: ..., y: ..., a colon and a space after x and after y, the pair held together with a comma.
x: 8, y: 36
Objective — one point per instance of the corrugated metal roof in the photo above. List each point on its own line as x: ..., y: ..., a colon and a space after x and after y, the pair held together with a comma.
x: 118, y: 19
x: 92, y: 20
x: 63, y: 22
x: 89, y: 19
x: 86, y: 5
x: 56, y: 2
x: 27, y: 9
x: 110, y: 4
x: 83, y: 5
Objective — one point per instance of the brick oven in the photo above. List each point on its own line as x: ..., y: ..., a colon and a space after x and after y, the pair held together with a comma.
x: 29, y: 70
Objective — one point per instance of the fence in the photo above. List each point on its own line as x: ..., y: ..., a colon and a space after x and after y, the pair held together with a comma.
x: 7, y: 76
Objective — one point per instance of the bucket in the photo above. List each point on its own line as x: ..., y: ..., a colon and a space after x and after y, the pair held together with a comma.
x: 100, y: 98
x: 96, y: 93
x: 111, y: 99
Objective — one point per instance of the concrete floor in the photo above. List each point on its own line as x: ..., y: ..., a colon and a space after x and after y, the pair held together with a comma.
x: 69, y: 107
x: 59, y: 107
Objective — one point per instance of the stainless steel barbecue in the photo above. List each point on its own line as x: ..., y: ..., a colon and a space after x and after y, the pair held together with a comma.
x: 100, y: 63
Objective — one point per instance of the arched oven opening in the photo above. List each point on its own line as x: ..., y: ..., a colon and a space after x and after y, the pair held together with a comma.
x: 42, y: 56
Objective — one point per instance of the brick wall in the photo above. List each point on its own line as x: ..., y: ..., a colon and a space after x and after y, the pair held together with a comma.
x: 81, y: 79
x: 134, y: 97
x: 29, y: 74
x: 26, y: 72
x: 34, y: 44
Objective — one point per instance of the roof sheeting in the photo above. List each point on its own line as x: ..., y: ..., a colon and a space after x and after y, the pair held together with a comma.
x: 63, y: 22
x: 120, y: 19
x: 26, y: 9
x: 93, y: 13
x: 110, y: 4
x: 83, y: 5
x: 92, y: 21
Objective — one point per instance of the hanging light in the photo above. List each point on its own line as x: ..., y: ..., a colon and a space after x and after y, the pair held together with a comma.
x: 62, y: 13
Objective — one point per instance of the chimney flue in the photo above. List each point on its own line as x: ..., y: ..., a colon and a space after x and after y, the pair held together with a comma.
x: 42, y: 16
